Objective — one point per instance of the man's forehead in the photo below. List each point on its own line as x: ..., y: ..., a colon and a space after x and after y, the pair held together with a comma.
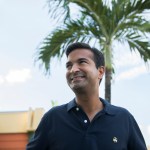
x: 78, y: 59
x: 81, y: 53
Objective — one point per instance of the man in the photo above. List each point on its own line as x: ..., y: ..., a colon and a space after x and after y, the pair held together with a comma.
x: 87, y: 122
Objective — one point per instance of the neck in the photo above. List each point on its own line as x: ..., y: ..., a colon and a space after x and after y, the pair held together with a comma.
x: 90, y: 103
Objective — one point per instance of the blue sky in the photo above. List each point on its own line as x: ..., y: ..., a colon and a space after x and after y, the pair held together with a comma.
x: 23, y: 26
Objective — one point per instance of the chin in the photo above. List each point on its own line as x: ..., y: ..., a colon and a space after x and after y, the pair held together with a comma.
x: 77, y: 88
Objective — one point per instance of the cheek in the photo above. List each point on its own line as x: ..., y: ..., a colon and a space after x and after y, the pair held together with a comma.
x: 95, y: 74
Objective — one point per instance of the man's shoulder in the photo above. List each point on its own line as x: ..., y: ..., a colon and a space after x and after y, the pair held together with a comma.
x: 117, y: 110
x: 57, y: 110
x: 121, y: 111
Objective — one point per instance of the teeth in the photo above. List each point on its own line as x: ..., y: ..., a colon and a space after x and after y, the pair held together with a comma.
x: 75, y: 77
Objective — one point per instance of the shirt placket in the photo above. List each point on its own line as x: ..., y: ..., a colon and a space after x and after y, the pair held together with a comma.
x: 82, y: 117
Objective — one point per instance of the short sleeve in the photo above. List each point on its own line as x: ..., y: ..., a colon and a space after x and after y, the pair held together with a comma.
x: 39, y: 141
x: 136, y: 140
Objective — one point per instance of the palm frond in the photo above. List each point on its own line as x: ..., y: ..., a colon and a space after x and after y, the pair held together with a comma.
x: 54, y: 44
x: 96, y: 10
x: 59, y: 9
x: 142, y: 47
x: 138, y: 42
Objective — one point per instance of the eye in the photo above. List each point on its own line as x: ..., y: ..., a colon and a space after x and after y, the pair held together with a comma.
x: 82, y: 61
x: 68, y: 66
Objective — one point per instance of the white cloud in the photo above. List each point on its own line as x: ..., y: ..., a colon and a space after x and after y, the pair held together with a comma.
x: 1, y: 80
x: 148, y: 129
x: 132, y: 73
x: 16, y: 76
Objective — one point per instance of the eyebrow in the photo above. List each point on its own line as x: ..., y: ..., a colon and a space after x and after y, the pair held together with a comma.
x: 77, y: 60
x: 82, y: 59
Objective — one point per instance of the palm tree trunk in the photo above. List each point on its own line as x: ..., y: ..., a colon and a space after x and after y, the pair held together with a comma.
x: 108, y: 70
x: 108, y: 84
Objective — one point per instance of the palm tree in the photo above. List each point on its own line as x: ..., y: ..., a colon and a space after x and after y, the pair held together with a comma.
x: 100, y: 22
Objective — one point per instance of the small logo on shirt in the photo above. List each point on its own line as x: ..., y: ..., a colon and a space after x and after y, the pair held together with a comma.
x: 115, y: 140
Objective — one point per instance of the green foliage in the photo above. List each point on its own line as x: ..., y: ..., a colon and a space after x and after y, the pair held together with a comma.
x: 54, y: 103
x: 121, y: 20
x: 104, y: 21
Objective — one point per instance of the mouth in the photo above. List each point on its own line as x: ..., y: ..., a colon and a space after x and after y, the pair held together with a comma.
x: 77, y: 77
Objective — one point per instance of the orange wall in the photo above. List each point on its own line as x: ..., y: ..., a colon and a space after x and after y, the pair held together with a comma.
x: 13, y: 141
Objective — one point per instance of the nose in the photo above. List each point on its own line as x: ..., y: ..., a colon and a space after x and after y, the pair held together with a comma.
x: 74, y: 68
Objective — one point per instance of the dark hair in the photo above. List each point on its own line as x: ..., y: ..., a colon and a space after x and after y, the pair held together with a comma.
x: 98, y: 56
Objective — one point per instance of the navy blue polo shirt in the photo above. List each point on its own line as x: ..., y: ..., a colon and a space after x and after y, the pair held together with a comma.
x: 67, y: 127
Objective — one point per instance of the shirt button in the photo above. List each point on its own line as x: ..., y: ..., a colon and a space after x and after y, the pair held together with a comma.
x: 85, y: 121
x: 77, y: 109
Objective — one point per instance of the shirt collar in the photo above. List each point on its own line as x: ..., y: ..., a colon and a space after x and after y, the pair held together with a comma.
x: 108, y: 108
x: 71, y: 105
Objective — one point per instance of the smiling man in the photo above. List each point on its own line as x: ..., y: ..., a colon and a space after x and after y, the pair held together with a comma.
x: 88, y: 122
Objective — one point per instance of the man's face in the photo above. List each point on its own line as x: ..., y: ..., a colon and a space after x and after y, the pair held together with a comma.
x: 81, y: 70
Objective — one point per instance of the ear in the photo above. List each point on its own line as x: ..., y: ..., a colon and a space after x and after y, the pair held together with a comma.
x: 101, y: 71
